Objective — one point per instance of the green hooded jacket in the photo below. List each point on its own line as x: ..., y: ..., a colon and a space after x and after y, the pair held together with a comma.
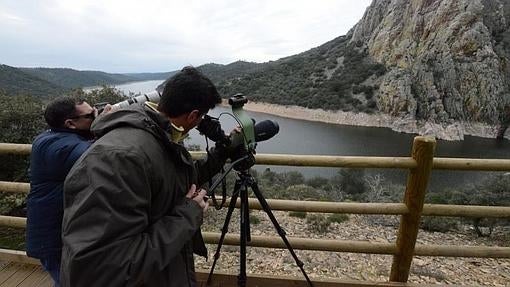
x: 127, y: 221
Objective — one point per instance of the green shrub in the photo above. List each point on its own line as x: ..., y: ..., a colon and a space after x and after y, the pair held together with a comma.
x: 12, y: 238
x: 105, y: 94
x: 317, y: 181
x: 254, y: 219
x: 438, y: 224
x: 372, y: 104
x: 290, y: 178
x: 351, y: 181
x: 338, y: 218
x: 317, y: 223
x: 298, y: 214
x: 302, y: 192
x: 21, y: 119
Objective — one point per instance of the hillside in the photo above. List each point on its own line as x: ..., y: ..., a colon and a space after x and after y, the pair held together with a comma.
x: 218, y: 72
x: 69, y: 78
x: 435, y: 66
x: 333, y: 76
x: 150, y: 76
x: 46, y: 82
x: 14, y: 81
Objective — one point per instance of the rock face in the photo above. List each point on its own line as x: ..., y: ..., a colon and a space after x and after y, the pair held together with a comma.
x: 447, y: 61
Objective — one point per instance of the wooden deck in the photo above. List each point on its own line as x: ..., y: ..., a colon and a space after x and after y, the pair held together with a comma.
x: 13, y: 274
x: 23, y: 275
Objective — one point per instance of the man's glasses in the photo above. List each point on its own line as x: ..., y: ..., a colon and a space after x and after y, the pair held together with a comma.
x: 91, y: 115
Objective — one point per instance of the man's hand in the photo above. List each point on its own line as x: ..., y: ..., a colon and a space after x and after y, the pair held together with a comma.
x: 199, y: 196
x: 108, y: 108
x: 103, y: 108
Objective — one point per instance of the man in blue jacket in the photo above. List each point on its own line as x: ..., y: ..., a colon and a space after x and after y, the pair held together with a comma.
x: 53, y: 154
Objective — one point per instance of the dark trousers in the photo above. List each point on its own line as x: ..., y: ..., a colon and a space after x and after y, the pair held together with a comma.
x: 51, y: 264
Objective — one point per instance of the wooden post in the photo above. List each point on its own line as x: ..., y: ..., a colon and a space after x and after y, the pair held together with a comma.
x: 22, y: 149
x: 423, y: 153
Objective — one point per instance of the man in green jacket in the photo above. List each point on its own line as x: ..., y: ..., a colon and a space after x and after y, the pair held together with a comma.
x: 132, y: 209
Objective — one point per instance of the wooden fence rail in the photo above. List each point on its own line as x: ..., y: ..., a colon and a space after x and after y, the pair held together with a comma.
x: 473, y: 211
x: 420, y: 164
x: 333, y: 245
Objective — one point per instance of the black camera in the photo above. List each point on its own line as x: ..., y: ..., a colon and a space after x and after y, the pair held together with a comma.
x: 245, y: 142
x: 211, y: 128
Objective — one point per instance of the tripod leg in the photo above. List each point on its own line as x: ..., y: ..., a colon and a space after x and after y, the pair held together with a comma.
x: 244, y: 198
x: 281, y: 232
x: 224, y: 230
x: 243, y: 234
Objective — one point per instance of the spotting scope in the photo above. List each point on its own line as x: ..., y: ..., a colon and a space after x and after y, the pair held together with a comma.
x: 153, y: 96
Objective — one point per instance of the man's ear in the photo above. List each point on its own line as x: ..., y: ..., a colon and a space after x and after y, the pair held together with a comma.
x: 69, y: 124
x: 194, y: 115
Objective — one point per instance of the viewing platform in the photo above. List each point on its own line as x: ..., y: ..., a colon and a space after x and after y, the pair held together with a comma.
x: 13, y: 274
x: 19, y: 270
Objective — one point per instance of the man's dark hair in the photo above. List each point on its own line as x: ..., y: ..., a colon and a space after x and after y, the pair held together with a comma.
x: 186, y: 91
x: 61, y: 109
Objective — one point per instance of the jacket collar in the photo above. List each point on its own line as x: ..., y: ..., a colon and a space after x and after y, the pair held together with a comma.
x: 165, y: 130
x: 142, y: 117
x: 85, y: 135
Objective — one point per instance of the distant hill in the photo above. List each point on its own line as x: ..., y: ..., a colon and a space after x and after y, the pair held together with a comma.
x: 46, y: 82
x: 218, y: 72
x: 150, y: 76
x: 335, y: 75
x: 70, y: 79
x: 14, y: 81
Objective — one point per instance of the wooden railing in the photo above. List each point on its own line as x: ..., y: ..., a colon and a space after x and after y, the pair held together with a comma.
x: 420, y: 165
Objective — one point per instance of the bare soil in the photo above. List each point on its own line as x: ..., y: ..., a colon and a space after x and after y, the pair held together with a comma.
x: 369, y: 267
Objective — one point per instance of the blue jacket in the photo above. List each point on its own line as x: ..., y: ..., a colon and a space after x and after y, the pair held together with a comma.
x: 53, y: 154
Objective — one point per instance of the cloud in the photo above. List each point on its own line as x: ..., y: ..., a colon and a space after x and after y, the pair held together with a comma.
x: 155, y: 35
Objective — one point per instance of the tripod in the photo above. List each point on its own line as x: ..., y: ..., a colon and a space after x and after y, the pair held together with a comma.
x: 245, y: 180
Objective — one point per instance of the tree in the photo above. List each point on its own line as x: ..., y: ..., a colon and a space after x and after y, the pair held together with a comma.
x: 351, y: 181
x: 494, y: 190
x: 105, y: 94
x: 21, y: 119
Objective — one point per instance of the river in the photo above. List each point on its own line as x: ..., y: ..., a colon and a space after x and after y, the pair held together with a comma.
x: 316, y: 138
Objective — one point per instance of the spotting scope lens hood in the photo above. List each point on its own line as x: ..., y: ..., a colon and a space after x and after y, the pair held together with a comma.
x: 265, y: 130
x: 153, y: 96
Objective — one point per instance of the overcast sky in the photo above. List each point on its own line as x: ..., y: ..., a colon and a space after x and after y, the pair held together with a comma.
x: 162, y: 35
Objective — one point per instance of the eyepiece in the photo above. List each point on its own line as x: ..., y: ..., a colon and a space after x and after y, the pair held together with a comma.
x: 237, y: 100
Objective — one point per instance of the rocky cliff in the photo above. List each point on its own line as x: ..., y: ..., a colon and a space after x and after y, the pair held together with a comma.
x: 433, y: 67
x: 447, y: 61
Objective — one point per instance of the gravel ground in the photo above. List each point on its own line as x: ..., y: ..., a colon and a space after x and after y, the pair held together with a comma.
x: 370, y: 267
